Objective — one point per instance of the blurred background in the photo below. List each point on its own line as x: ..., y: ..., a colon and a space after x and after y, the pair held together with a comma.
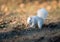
x: 13, y: 16
x: 15, y: 12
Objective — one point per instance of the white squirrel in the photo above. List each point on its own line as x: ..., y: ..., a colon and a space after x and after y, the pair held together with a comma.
x: 38, y: 19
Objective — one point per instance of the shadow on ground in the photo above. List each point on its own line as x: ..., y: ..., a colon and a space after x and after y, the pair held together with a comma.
x: 48, y: 33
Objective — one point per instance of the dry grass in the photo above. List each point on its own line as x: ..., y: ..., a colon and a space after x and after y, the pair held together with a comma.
x: 14, y: 13
x: 13, y: 16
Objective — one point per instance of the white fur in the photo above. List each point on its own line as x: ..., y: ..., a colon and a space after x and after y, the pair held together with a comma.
x: 42, y: 13
x: 38, y: 19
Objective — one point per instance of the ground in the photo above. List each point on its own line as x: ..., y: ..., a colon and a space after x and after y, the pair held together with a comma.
x: 13, y: 16
x: 50, y: 31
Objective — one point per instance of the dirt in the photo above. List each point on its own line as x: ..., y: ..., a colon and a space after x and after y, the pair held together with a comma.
x: 17, y: 32
x: 48, y: 33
